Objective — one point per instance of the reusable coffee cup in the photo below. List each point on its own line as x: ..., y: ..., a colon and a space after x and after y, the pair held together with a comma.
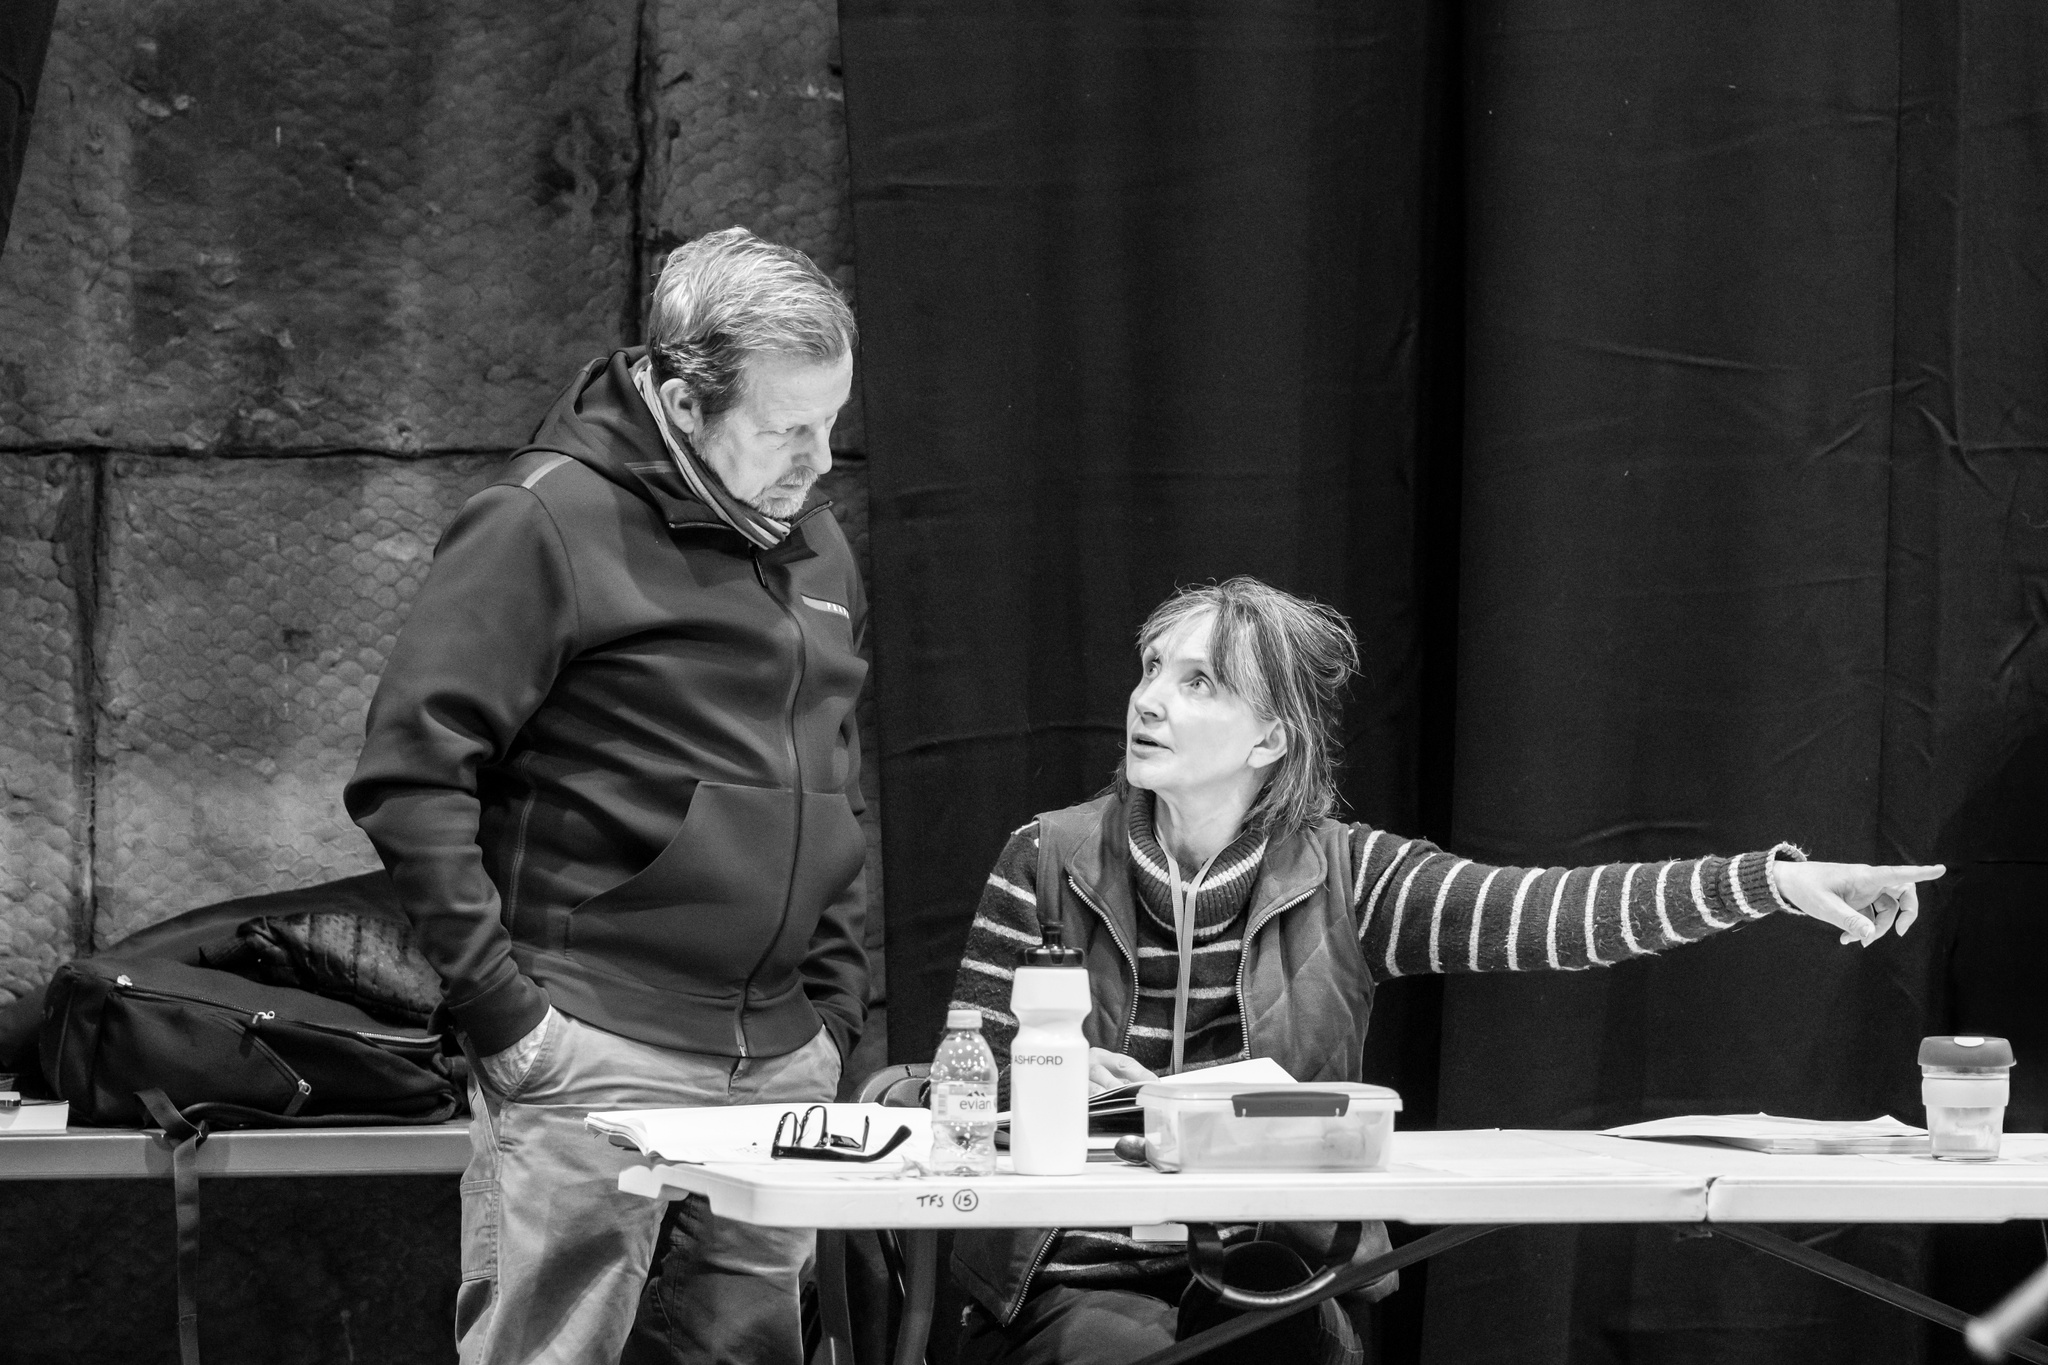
x: 1965, y: 1081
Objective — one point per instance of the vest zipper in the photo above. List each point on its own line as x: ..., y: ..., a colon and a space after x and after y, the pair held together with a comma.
x: 1123, y: 1041
x: 1037, y: 1260
x: 796, y: 768
x: 1244, y: 956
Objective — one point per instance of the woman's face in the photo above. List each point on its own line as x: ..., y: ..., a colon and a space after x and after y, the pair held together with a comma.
x: 1186, y: 735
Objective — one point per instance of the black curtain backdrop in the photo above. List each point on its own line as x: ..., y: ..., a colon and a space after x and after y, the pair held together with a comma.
x: 1663, y: 391
x: 1145, y: 294
x: 24, y: 41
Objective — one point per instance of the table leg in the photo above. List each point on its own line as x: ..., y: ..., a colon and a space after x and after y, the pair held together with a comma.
x: 835, y: 1316
x: 1878, y: 1287
x: 2016, y: 1315
x: 920, y: 1283
x: 1357, y: 1277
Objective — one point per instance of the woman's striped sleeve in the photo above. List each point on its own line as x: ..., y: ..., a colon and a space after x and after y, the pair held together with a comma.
x: 1420, y: 909
x: 1005, y: 928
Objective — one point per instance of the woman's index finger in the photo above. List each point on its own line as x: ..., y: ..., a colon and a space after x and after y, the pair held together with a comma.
x: 1923, y: 872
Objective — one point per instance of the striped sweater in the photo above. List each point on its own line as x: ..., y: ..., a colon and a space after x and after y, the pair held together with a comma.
x: 1418, y: 910
x: 1213, y: 1032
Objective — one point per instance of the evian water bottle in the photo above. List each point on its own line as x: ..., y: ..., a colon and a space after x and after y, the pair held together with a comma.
x: 963, y: 1099
x: 1049, y: 1060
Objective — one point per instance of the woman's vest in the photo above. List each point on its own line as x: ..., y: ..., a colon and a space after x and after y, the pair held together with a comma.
x: 1303, y: 990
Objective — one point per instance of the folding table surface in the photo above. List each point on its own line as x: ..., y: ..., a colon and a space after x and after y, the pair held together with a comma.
x: 1761, y: 1187
x: 1445, y: 1177
x: 1471, y: 1178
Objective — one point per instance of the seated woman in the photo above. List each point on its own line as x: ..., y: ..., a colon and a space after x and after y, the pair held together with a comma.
x: 1220, y: 821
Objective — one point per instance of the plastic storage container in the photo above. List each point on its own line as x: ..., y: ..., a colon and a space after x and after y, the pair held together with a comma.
x: 1965, y: 1082
x: 1193, y: 1125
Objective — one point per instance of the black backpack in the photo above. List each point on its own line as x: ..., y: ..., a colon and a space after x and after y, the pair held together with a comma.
x: 137, y: 1037
x: 226, y: 1051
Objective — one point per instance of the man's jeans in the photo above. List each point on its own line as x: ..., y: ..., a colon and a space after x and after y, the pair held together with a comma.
x: 555, y: 1257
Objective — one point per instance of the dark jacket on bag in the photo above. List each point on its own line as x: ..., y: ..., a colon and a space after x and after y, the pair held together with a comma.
x: 613, y: 763
x: 1306, y: 988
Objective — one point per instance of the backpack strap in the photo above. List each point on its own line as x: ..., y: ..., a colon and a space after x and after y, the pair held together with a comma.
x: 242, y: 1115
x: 185, y: 1194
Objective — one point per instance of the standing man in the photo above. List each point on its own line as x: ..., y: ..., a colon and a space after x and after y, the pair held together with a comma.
x: 613, y: 770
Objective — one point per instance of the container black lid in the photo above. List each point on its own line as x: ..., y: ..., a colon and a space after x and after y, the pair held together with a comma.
x: 1052, y: 950
x: 1965, y: 1050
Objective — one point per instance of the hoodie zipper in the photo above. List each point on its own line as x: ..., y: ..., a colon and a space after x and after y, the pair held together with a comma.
x: 1244, y: 956
x: 796, y: 768
x: 1123, y: 1042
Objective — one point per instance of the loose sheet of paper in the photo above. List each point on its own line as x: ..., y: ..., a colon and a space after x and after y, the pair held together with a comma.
x: 1785, y: 1136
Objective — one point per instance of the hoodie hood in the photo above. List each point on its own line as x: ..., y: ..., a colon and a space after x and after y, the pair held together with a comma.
x: 602, y: 421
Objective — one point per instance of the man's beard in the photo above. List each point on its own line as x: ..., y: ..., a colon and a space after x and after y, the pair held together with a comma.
x: 783, y: 500
x: 778, y: 500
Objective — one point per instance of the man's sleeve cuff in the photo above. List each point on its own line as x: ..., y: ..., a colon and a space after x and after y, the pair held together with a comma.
x: 502, y: 1015
x: 845, y: 1032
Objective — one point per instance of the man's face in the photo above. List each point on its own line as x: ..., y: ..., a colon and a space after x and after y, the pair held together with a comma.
x: 772, y: 445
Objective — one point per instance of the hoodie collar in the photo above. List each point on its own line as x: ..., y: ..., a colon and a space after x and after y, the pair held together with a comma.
x: 602, y: 422
x: 763, y: 531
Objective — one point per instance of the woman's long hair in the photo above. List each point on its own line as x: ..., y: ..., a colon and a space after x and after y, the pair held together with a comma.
x: 1289, y: 659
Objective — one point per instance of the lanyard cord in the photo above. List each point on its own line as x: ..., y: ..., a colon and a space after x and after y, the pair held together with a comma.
x: 1184, y: 942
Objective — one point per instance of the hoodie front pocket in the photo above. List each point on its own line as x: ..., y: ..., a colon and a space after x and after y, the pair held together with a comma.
x: 699, y: 916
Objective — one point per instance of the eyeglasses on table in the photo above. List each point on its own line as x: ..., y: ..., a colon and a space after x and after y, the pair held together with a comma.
x: 793, y: 1140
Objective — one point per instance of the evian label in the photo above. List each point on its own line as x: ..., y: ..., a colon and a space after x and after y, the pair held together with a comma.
x: 963, y: 1105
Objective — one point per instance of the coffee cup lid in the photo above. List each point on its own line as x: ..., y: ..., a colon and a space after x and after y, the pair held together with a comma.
x: 1965, y: 1049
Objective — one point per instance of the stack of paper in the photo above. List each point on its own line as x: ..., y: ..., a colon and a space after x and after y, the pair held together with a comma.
x: 1792, y: 1137
x: 18, y: 1115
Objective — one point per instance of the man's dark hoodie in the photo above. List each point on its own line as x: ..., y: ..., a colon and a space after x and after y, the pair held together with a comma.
x: 612, y: 763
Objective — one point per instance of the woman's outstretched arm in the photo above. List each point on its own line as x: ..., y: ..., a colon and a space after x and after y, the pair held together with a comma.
x: 1420, y: 909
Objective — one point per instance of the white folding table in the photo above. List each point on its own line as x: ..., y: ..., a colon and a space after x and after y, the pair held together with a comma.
x: 102, y: 1153
x: 1463, y: 1183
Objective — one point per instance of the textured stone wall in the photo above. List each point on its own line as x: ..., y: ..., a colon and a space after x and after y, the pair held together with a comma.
x: 324, y: 226
x: 253, y: 604
x: 284, y: 284
x: 282, y: 287
x: 43, y: 824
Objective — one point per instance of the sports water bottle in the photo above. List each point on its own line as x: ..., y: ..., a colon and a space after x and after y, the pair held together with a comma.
x: 963, y: 1099
x: 1049, y: 1060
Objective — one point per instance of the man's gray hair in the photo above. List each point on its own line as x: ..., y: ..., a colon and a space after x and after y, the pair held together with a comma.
x: 729, y: 295
x: 1289, y: 659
